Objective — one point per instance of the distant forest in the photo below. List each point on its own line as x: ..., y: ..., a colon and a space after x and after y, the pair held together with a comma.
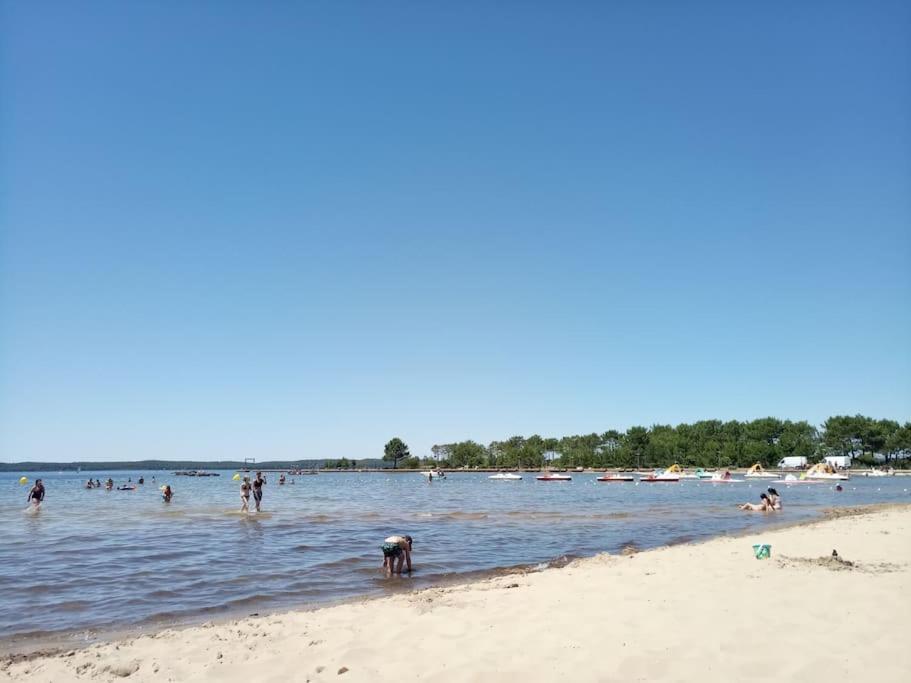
x: 707, y: 443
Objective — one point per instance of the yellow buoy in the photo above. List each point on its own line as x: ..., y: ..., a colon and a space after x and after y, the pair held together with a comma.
x: 23, y: 480
x: 236, y: 477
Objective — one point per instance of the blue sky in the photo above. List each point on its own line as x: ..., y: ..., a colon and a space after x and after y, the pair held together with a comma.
x: 282, y: 230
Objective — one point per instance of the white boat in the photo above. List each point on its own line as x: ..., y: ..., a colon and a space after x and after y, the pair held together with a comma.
x: 553, y: 476
x: 757, y: 472
x: 619, y: 478
x: 791, y: 479
x: 435, y: 474
x: 879, y: 473
x: 505, y: 476
x: 825, y: 472
x: 660, y: 478
x: 724, y: 478
x: 676, y: 470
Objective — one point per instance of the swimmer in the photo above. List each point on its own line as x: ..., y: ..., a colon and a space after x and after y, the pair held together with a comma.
x: 838, y: 487
x: 396, y: 547
x: 757, y: 507
x: 90, y: 484
x: 36, y: 495
x: 142, y: 480
x: 258, y: 490
x: 110, y: 484
x: 98, y: 483
x: 167, y: 493
x: 774, y: 499
x: 281, y: 480
x: 245, y: 494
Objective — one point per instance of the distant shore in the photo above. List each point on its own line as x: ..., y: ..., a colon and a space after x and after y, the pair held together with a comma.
x: 707, y: 610
x: 70, y: 468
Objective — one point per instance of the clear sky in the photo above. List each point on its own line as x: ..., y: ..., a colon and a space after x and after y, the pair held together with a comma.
x: 281, y: 230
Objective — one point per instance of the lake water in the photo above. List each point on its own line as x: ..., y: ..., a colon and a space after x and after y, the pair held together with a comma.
x: 93, y: 561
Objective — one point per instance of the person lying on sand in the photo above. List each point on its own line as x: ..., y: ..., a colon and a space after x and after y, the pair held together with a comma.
x: 396, y: 547
x: 764, y: 506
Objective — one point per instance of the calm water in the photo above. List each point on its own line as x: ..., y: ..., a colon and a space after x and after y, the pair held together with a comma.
x: 93, y: 560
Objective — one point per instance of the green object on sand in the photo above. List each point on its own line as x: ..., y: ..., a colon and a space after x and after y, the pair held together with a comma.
x: 762, y: 551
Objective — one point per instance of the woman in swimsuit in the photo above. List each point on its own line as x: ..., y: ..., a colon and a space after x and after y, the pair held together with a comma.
x: 396, y: 547
x: 109, y: 485
x: 774, y: 499
x: 167, y: 493
x: 245, y: 495
x: 36, y: 495
x: 764, y: 506
x: 258, y: 490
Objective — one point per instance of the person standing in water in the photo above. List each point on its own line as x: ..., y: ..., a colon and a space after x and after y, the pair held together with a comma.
x: 397, y: 548
x: 245, y: 495
x: 110, y: 484
x: 167, y: 493
x: 258, y: 490
x: 36, y: 495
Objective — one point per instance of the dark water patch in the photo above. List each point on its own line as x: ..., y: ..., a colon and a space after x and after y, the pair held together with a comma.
x: 680, y: 540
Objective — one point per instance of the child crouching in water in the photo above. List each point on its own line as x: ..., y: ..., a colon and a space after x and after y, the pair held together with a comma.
x: 396, y: 548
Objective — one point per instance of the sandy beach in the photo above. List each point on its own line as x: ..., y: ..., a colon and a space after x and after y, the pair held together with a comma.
x: 707, y: 611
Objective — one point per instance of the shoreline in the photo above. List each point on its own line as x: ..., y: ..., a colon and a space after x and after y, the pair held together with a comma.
x: 11, y: 469
x: 55, y: 642
x: 53, y: 649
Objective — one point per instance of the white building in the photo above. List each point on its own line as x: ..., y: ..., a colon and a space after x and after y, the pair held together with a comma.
x: 843, y: 461
x: 550, y: 456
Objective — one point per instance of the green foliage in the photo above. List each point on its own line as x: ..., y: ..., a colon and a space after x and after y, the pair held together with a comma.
x: 707, y: 443
x: 395, y: 450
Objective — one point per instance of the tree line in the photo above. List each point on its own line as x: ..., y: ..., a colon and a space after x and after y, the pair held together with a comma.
x: 707, y: 443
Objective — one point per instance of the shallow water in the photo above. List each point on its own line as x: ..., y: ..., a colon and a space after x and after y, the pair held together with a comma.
x: 93, y: 560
